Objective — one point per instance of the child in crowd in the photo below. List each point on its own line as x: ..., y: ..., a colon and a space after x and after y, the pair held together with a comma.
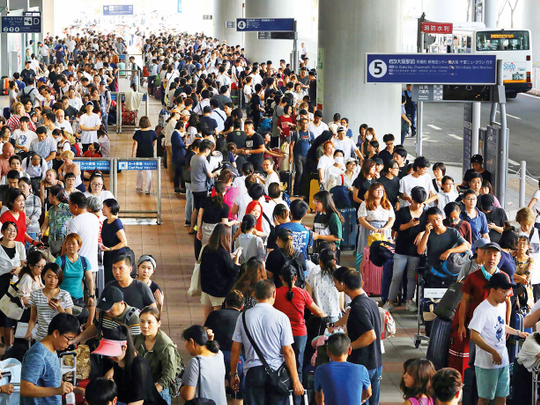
x: 416, y: 382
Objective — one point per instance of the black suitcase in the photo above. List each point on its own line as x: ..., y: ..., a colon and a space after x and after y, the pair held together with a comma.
x: 349, y: 229
x: 286, y: 178
x: 470, y: 391
x: 439, y: 343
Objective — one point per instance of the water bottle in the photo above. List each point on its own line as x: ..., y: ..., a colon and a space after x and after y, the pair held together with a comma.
x: 70, y: 398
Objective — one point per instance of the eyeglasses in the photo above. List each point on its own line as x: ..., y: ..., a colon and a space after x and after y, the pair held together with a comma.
x: 97, y: 184
x: 69, y: 338
x: 470, y: 199
x: 39, y: 267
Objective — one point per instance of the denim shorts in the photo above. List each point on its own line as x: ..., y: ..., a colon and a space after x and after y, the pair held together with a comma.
x: 493, y: 382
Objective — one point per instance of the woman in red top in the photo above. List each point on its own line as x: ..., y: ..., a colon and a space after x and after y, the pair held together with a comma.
x: 286, y: 122
x: 16, y: 214
x: 293, y: 301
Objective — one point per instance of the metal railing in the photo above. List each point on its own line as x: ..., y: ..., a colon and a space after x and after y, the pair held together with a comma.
x: 120, y: 97
x: 141, y: 164
x: 113, y: 165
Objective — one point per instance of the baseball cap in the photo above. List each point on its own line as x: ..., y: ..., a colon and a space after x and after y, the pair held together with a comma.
x: 89, y: 103
x: 487, y: 202
x: 102, y: 82
x: 477, y: 159
x: 350, y: 160
x: 492, y: 245
x: 480, y: 243
x: 183, y: 95
x: 110, y: 296
x: 185, y: 113
x: 283, y: 232
x: 42, y: 80
x: 341, y: 128
x: 111, y: 343
x: 500, y: 280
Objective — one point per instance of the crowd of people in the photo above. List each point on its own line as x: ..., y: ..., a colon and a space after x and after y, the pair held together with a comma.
x: 278, y: 307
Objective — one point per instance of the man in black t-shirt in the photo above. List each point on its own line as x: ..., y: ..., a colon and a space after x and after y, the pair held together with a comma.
x: 254, y: 146
x: 136, y: 293
x: 364, y: 330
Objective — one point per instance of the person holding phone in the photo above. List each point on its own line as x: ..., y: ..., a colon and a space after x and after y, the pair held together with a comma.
x: 409, y: 225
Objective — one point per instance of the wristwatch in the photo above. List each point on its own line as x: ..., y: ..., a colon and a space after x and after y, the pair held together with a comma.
x: 92, y: 296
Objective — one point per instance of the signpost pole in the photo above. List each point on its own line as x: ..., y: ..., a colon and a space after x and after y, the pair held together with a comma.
x: 503, y: 136
x: 419, y: 124
x: 294, y: 62
x: 476, y: 110
x: 159, y: 191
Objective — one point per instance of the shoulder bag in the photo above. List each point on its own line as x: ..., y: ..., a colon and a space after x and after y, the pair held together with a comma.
x: 195, y: 289
x: 198, y: 400
x: 10, y: 304
x: 281, y: 378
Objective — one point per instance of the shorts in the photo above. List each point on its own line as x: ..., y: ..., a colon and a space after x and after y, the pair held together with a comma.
x: 199, y: 198
x: 211, y: 301
x: 493, y: 382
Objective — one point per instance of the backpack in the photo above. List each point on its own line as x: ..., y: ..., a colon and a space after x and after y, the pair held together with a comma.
x: 229, y: 166
x: 341, y: 197
x: 83, y: 261
x: 76, y: 149
x: 266, y: 125
x: 380, y: 252
x: 163, y: 117
x: 300, y: 270
x: 180, y: 368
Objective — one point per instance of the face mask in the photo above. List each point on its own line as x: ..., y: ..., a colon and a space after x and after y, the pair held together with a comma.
x: 369, y: 137
x: 339, y: 160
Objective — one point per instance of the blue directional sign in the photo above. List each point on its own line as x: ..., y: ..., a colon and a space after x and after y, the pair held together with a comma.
x: 137, y: 165
x: 431, y: 68
x: 264, y: 24
x: 103, y: 165
x: 121, y: 9
x: 21, y: 24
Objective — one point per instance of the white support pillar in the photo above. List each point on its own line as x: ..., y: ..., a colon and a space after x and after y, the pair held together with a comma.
x: 348, y: 29
x: 228, y: 10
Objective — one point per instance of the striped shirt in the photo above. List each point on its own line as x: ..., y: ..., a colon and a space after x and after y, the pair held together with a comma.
x: 130, y: 318
x: 45, y: 313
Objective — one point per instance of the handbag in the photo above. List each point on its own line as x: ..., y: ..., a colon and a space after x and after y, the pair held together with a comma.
x: 372, y: 237
x: 200, y: 401
x: 280, y: 378
x: 10, y: 304
x: 195, y: 289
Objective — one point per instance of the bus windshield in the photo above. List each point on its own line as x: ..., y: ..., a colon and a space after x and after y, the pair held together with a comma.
x: 490, y: 41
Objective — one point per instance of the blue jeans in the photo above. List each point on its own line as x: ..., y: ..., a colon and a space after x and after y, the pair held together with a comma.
x: 400, y: 263
x: 375, y: 376
x: 166, y: 395
x: 240, y: 370
x: 105, y: 120
x: 33, y: 235
x: 299, y: 347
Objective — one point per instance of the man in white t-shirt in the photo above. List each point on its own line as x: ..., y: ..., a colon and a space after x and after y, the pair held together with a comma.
x: 90, y: 123
x: 86, y: 225
x: 317, y: 126
x: 488, y: 331
x: 326, y: 160
x: 420, y: 178
x: 345, y: 144
x: 23, y: 136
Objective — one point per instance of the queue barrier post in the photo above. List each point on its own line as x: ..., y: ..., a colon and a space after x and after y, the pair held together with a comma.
x: 120, y: 97
x: 141, y: 164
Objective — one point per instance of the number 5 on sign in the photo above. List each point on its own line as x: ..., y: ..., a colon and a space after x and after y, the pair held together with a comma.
x: 377, y: 68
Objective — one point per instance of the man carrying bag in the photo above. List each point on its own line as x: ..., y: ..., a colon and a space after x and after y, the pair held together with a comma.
x: 270, y: 364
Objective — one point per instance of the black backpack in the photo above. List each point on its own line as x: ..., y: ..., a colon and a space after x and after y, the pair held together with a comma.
x: 380, y: 252
x: 296, y: 262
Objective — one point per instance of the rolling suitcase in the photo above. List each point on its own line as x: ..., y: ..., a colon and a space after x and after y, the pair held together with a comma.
x: 439, y: 342
x: 285, y: 180
x: 387, y: 273
x: 513, y: 344
x: 305, y: 399
x: 349, y: 229
x: 313, y: 189
x: 470, y: 390
x: 372, y: 275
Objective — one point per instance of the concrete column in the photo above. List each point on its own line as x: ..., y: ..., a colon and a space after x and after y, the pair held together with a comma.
x: 268, y: 49
x: 491, y: 9
x: 228, y: 10
x: 348, y: 29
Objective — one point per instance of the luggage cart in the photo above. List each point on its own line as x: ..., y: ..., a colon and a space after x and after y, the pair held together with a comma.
x: 64, y: 369
x: 426, y: 291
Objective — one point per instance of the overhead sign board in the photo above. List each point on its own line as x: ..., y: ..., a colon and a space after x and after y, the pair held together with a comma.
x: 122, y: 9
x: 207, y: 16
x: 103, y: 165
x: 431, y: 68
x: 436, y: 27
x: 264, y: 24
x: 137, y: 164
x: 275, y: 35
x: 21, y: 24
x: 433, y: 93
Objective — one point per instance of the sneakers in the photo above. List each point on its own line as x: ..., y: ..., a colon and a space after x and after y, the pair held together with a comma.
x: 411, y: 306
x: 138, y: 190
x: 388, y: 306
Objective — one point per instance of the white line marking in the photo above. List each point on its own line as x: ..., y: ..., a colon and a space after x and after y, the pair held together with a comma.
x: 530, y: 95
x: 511, y: 116
x: 513, y: 162
x: 459, y: 138
x: 434, y: 127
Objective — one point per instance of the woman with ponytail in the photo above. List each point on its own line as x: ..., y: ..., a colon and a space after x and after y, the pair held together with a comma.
x: 205, y: 373
x: 282, y: 255
x: 293, y: 301
x: 213, y: 211
x: 320, y: 285
x: 251, y: 244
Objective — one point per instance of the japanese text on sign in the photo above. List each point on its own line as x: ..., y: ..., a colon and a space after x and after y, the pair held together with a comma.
x: 431, y: 68
x: 94, y: 164
x: 436, y: 28
x: 137, y: 165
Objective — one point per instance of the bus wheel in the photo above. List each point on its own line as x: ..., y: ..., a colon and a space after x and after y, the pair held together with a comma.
x: 511, y: 95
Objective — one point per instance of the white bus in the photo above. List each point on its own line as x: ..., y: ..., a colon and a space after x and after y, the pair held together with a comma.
x: 512, y: 46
